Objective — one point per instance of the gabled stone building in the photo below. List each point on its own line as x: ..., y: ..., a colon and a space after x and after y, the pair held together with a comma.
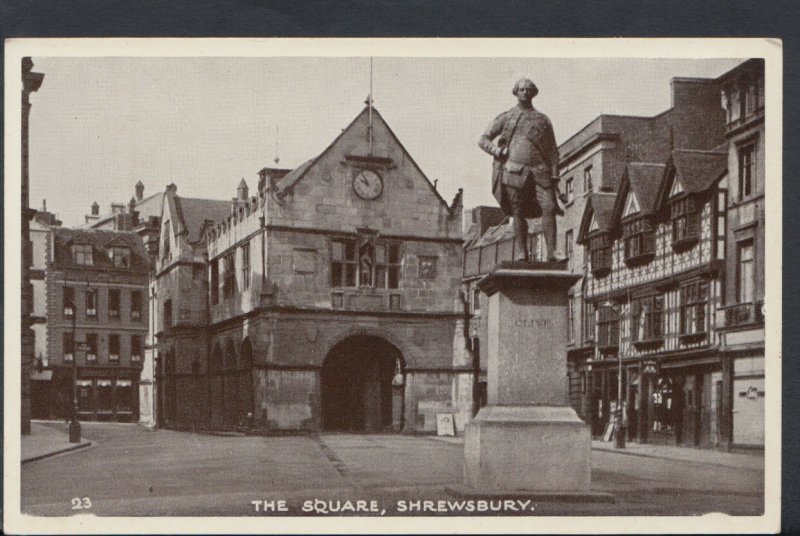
x: 329, y: 300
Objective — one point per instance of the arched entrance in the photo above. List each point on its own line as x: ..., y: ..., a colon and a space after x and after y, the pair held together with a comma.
x: 362, y: 386
x: 246, y: 385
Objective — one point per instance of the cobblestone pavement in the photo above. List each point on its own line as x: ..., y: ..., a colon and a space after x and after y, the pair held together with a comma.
x: 132, y: 471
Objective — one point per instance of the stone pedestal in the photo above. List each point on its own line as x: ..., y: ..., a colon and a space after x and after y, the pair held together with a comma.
x: 527, y: 439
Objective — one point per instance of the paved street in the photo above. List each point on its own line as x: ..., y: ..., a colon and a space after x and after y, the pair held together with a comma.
x: 131, y: 471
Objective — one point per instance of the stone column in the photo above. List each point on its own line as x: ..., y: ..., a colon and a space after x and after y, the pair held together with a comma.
x: 528, y: 438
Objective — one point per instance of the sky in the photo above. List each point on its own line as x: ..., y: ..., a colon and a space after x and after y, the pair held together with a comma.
x: 99, y: 125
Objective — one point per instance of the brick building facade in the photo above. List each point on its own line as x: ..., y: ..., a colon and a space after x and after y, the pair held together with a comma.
x: 97, y: 320
x: 328, y: 300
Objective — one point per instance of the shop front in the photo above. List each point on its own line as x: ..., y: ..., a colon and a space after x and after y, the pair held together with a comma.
x: 676, y: 403
x: 102, y: 395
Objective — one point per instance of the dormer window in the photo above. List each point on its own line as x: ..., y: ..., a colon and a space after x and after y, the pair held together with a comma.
x: 82, y: 254
x: 121, y: 257
x: 639, y: 238
x: 600, y: 253
x: 685, y: 215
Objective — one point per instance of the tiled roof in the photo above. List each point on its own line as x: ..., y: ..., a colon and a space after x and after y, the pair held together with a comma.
x: 194, y: 212
x: 599, y: 207
x: 645, y: 181
x: 698, y: 170
x: 101, y: 241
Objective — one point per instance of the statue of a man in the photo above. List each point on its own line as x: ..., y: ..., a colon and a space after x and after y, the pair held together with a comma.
x: 525, y: 178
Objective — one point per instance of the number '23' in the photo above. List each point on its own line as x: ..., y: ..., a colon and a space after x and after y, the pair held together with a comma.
x: 81, y: 503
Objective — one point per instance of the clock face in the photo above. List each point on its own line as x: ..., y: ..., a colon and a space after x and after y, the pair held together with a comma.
x: 368, y: 184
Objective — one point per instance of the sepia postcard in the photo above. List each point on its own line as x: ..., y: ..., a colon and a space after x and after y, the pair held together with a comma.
x: 392, y: 285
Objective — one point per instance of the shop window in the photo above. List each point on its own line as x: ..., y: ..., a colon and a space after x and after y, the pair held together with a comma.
x: 82, y: 254
x: 427, y: 267
x: 91, y: 304
x: 69, y: 302
x: 229, y: 274
x: 105, y: 396
x: 136, y: 348
x: 121, y: 257
x: 600, y: 253
x: 246, y: 265
x: 91, y: 347
x: 685, y: 213
x: 639, y: 240
x: 124, y: 396
x: 745, y: 272
x: 694, y: 304
x: 84, y: 396
x: 113, y: 303
x: 136, y: 304
x: 665, y: 414
x: 68, y: 346
x: 213, y: 285
x: 607, y: 327
x: 747, y: 161
x: 113, y: 347
x: 343, y: 263
x: 647, y: 315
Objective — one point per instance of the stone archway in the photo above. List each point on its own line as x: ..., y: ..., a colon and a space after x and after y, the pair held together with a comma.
x: 231, y: 385
x: 245, y: 390
x: 216, y: 387
x: 361, y: 384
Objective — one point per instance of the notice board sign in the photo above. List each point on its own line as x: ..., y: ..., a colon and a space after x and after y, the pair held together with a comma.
x: 445, y: 424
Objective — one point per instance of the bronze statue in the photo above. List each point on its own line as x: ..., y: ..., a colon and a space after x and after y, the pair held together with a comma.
x: 525, y: 177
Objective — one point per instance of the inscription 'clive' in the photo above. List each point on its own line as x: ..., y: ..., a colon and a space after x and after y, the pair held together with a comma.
x: 532, y: 323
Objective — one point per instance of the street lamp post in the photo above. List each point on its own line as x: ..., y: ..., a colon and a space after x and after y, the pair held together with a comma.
x: 74, y: 424
x: 620, y: 436
x: 619, y: 414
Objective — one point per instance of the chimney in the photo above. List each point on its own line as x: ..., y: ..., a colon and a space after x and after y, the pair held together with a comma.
x: 95, y: 209
x: 139, y: 191
x: 242, y: 191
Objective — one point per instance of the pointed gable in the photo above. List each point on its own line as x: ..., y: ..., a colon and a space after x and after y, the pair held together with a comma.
x: 631, y: 206
x: 692, y: 171
x: 596, y: 215
x: 677, y: 189
x: 361, y: 121
x: 638, y: 190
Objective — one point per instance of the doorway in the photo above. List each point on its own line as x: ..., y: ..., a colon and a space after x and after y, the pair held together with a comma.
x: 362, y: 386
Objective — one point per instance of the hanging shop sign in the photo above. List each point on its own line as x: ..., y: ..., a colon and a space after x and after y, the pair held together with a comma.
x: 650, y: 367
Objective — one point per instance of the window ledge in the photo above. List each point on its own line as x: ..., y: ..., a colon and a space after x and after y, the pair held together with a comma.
x: 685, y: 243
x: 640, y: 259
x: 648, y: 344
x: 601, y: 272
x: 688, y: 338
